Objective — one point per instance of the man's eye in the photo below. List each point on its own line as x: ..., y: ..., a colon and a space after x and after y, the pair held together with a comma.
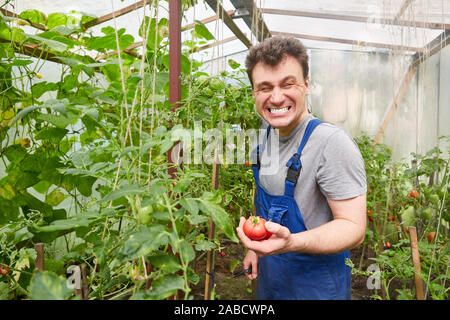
x: 288, y: 85
x: 265, y: 89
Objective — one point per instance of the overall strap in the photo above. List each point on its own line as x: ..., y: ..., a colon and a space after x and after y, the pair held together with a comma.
x: 257, y: 166
x: 294, y: 162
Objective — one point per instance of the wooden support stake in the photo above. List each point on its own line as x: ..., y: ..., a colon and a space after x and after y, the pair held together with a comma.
x: 148, y: 282
x: 416, y: 262
x: 381, y: 233
x: 210, y: 254
x: 39, y: 262
x: 84, y: 283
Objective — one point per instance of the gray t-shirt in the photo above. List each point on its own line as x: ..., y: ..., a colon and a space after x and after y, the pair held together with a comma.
x: 332, y: 166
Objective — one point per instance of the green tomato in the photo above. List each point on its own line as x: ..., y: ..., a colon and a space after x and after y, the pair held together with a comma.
x: 202, y: 79
x: 426, y: 192
x: 145, y: 214
x: 216, y: 84
x: 426, y: 213
x: 147, y: 209
x: 207, y: 91
x: 160, y: 207
x: 145, y: 218
x: 391, y: 233
x: 434, y: 198
x: 408, y: 217
x: 441, y: 192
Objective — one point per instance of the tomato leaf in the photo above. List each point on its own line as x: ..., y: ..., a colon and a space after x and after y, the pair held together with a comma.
x: 202, y: 31
x: 162, y: 288
x: 122, y: 192
x: 187, y: 253
x: 46, y: 285
x: 190, y: 205
x: 143, y: 242
x: 166, y: 262
x: 220, y: 218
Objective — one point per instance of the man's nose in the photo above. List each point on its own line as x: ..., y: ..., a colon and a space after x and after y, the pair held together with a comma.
x: 277, y: 95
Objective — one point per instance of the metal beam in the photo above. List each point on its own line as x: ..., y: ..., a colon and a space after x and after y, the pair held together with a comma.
x: 432, y: 48
x: 347, y: 41
x: 207, y: 20
x: 214, y: 44
x: 404, y: 6
x: 15, y: 15
x: 117, y: 13
x: 320, y: 15
x: 252, y: 16
x: 228, y: 21
x: 37, y: 51
x: 174, y: 52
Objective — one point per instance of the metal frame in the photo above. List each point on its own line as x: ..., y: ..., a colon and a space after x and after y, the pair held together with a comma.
x: 228, y: 16
x: 249, y: 7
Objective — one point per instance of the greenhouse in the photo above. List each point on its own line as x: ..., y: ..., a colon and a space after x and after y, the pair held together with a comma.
x: 133, y: 149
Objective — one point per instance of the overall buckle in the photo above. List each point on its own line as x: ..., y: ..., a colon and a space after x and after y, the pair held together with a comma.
x: 294, y: 165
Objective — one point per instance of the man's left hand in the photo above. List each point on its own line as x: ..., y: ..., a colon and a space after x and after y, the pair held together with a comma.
x: 279, y: 242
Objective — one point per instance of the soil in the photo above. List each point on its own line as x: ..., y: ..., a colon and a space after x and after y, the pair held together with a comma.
x: 230, y: 287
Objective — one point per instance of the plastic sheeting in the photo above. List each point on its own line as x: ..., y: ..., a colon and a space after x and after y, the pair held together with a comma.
x: 351, y: 85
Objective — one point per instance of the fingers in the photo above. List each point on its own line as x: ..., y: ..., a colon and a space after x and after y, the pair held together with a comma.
x: 240, y: 232
x: 251, y: 265
x: 254, y: 273
x: 278, y: 229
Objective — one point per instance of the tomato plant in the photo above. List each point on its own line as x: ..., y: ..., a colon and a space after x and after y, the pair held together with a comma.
x: 85, y: 161
x: 401, y: 196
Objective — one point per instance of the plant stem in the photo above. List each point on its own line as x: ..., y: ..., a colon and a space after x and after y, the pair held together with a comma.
x: 178, y: 249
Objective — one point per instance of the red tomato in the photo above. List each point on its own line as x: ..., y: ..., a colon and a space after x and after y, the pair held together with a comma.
x: 255, y: 229
x: 431, y: 236
x: 4, y: 270
x: 414, y: 193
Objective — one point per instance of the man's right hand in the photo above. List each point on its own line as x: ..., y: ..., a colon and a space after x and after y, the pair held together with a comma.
x: 251, y: 260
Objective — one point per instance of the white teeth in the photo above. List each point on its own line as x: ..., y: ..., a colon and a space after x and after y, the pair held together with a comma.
x: 279, y: 110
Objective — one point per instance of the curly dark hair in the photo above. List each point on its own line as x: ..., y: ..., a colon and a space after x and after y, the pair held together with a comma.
x: 273, y: 50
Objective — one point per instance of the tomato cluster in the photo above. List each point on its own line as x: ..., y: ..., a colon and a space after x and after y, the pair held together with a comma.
x: 413, y: 194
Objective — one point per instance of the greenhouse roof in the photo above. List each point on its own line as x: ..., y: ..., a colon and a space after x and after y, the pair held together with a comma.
x: 408, y: 26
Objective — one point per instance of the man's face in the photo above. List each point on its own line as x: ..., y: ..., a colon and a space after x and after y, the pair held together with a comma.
x: 280, y: 93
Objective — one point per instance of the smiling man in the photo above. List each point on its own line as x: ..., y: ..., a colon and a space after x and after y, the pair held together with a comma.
x: 315, y: 198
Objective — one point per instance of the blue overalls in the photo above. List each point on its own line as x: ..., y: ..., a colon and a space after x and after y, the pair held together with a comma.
x: 295, y: 275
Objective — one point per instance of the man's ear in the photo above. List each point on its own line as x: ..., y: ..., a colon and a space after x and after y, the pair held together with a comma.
x: 307, y: 85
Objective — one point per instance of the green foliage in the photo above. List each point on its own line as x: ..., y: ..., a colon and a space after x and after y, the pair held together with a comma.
x: 46, y: 285
x: 393, y: 207
x: 84, y: 159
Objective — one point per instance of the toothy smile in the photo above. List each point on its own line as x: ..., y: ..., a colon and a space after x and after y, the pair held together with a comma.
x: 279, y: 110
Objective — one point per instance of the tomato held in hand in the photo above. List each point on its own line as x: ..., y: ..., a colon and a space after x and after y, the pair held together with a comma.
x: 255, y: 228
